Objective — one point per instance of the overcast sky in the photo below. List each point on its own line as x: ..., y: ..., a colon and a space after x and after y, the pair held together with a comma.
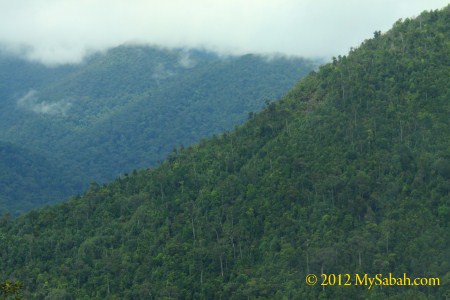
x: 64, y: 31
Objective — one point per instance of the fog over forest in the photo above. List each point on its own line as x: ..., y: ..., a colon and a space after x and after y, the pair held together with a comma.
x: 56, y: 32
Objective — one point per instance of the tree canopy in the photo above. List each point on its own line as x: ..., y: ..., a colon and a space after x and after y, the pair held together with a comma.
x: 348, y: 173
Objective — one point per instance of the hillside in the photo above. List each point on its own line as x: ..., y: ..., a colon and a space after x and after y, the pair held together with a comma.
x: 29, y: 177
x: 348, y: 173
x: 129, y: 107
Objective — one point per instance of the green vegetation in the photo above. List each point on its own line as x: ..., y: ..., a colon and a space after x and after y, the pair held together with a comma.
x: 349, y: 173
x: 10, y: 290
x: 127, y: 109
x: 27, y: 178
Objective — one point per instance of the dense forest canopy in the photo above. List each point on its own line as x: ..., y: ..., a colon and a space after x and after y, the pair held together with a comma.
x: 28, y: 178
x: 122, y: 110
x: 348, y: 173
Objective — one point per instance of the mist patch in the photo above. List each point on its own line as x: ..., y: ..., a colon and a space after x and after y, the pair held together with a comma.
x: 31, y: 102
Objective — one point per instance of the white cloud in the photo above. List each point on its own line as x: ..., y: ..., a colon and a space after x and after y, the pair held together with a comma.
x: 186, y: 61
x: 59, y: 31
x: 31, y: 102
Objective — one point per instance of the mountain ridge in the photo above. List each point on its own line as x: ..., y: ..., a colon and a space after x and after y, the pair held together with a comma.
x: 127, y: 108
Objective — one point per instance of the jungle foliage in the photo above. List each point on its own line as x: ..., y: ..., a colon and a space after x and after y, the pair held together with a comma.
x: 126, y: 109
x: 348, y: 173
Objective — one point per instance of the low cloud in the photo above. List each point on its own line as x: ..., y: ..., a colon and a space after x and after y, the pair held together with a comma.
x: 160, y: 72
x: 32, y: 103
x: 186, y: 61
x: 65, y: 31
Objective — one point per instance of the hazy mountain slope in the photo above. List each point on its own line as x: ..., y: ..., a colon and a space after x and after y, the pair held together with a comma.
x: 213, y: 98
x: 349, y: 173
x: 127, y: 108
x: 27, y: 178
x: 17, y: 77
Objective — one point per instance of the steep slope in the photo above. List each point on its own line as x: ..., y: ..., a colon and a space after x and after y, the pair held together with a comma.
x: 347, y: 174
x: 129, y: 107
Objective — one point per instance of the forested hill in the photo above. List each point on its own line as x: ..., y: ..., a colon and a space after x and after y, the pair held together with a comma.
x: 129, y: 107
x: 29, y: 177
x: 349, y: 173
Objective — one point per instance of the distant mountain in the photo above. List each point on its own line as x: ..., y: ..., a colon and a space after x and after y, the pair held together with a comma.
x: 27, y: 178
x: 347, y: 174
x: 129, y: 107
